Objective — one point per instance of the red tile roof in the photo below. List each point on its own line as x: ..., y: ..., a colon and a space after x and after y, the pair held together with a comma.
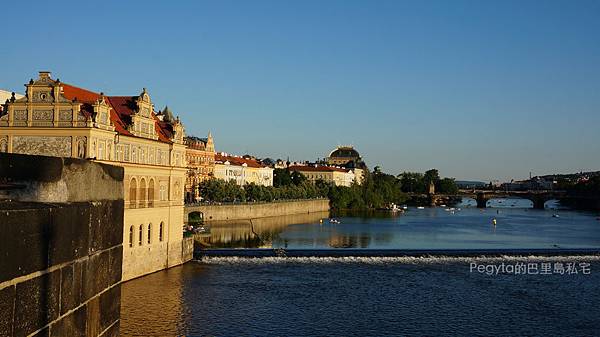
x: 122, y: 107
x: 239, y: 161
x: 72, y: 92
x: 308, y: 168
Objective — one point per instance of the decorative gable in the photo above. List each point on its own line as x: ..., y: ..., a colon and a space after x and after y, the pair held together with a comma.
x: 45, y: 105
x: 142, y: 119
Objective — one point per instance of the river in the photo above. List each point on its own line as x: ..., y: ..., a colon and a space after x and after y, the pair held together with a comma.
x: 381, y: 296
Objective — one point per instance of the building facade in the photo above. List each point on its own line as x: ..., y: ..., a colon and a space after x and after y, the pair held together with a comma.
x: 200, y: 156
x: 58, y: 119
x: 329, y: 174
x: 347, y: 157
x: 242, y: 170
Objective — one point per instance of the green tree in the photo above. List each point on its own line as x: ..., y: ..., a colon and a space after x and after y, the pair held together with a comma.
x: 281, y: 177
x: 431, y: 176
x: 412, y: 182
x: 298, y: 178
x: 446, y: 186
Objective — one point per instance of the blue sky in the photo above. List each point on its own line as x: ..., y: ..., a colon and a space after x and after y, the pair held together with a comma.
x: 478, y: 89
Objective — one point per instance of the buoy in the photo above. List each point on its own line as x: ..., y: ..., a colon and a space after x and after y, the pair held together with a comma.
x: 494, y: 221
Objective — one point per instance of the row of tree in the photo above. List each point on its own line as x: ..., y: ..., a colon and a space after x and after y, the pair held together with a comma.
x: 377, y: 190
x: 218, y: 190
x: 414, y: 182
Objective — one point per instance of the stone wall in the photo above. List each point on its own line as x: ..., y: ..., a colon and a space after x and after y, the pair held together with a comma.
x: 60, y: 262
x: 258, y: 210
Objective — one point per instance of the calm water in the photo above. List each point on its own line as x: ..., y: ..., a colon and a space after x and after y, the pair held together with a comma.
x: 378, y: 296
x: 429, y: 228
x: 360, y: 297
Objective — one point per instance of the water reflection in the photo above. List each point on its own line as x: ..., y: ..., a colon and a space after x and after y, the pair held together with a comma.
x: 255, y: 233
x: 428, y: 228
x: 143, y: 315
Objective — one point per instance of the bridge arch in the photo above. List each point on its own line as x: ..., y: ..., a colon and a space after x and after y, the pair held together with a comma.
x: 538, y: 198
x: 195, y: 217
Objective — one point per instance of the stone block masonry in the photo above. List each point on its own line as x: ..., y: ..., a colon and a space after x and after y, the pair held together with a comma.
x: 60, y: 259
x: 258, y: 210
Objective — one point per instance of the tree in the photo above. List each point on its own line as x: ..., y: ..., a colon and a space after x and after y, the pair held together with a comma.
x: 412, y: 182
x: 447, y: 186
x: 281, y: 177
x: 431, y: 176
x: 298, y: 178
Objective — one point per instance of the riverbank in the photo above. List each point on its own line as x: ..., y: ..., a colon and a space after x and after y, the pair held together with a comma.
x: 245, y: 211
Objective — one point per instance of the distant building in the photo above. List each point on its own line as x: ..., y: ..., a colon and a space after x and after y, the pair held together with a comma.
x: 347, y: 157
x: 467, y: 185
x: 281, y: 164
x: 5, y: 97
x: 242, y: 170
x: 342, y: 155
x: 329, y: 174
x: 534, y: 184
x: 200, y: 155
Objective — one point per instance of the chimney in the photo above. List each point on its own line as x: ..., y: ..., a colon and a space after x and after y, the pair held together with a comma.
x: 44, y: 75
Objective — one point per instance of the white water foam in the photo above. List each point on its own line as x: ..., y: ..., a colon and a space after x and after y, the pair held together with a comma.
x: 425, y: 260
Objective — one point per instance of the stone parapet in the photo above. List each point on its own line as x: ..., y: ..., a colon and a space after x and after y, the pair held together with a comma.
x: 60, y: 262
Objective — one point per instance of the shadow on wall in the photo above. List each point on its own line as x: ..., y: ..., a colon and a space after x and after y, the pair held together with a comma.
x: 61, y: 248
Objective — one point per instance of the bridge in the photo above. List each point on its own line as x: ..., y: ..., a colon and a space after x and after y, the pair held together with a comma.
x: 539, y: 198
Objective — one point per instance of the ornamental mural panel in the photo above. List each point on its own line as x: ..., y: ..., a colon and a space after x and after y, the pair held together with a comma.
x: 46, y: 146
x: 42, y: 115
x: 20, y: 115
x: 65, y: 115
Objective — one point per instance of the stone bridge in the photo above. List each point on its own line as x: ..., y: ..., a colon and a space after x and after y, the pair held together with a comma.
x: 539, y: 198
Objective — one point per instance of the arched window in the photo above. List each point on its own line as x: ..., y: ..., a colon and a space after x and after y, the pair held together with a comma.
x: 142, y: 193
x: 160, y: 231
x: 132, y: 193
x: 140, y: 235
x: 131, y: 236
x: 149, y: 232
x: 151, y: 193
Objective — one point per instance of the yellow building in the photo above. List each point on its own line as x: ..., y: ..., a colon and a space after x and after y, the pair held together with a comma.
x: 58, y: 119
x: 242, y: 170
x: 200, y: 156
x: 329, y: 174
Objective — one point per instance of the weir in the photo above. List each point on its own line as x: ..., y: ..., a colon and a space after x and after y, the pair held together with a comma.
x: 348, y: 252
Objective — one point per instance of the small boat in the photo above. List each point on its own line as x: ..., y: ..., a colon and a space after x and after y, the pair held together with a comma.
x: 442, y: 205
x: 555, y: 216
x: 420, y: 207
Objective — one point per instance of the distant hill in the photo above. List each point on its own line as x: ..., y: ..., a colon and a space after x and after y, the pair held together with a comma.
x: 469, y: 183
x: 570, y: 176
